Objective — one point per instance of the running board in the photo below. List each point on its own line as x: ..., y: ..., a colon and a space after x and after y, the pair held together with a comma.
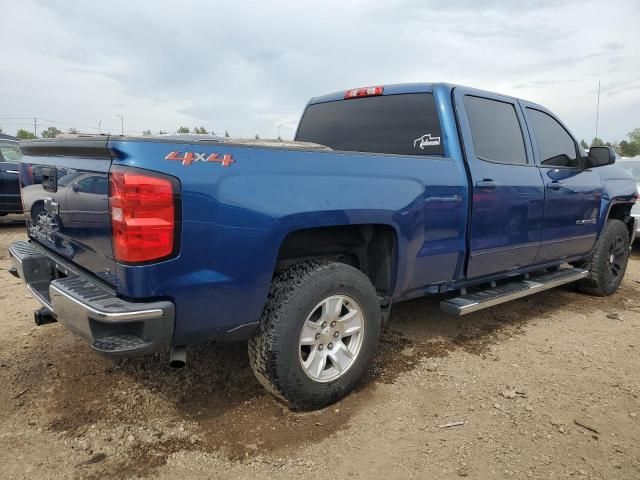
x: 473, y: 302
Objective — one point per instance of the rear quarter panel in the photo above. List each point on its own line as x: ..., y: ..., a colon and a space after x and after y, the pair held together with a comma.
x: 235, y: 218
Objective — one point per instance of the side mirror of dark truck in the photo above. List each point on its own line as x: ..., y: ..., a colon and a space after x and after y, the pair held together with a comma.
x: 600, y: 156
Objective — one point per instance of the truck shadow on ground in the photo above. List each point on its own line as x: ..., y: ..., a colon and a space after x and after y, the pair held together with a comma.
x: 216, y: 405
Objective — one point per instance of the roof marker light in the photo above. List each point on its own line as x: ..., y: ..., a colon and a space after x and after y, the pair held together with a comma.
x: 363, y: 92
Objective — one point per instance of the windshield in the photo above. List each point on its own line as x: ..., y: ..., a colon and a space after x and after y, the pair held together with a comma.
x: 633, y: 167
x: 10, y: 153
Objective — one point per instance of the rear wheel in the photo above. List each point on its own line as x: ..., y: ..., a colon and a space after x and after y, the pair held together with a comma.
x: 318, y: 334
x: 608, y: 262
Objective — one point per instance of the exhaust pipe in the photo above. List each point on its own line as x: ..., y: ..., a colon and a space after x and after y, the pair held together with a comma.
x: 178, y: 357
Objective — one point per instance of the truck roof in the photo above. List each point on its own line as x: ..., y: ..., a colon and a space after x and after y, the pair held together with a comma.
x: 400, y: 88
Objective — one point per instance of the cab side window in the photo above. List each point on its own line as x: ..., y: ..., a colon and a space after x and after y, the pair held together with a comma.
x: 495, y: 130
x: 555, y: 146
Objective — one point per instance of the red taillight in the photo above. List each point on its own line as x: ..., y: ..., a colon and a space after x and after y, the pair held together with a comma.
x: 143, y: 215
x: 363, y: 92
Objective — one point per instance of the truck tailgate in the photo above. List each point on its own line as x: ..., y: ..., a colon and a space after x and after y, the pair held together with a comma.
x: 65, y: 195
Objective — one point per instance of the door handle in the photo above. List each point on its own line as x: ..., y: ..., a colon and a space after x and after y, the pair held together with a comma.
x: 554, y: 185
x: 487, y: 184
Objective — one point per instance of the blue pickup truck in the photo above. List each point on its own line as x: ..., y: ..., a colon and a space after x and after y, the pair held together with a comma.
x: 388, y: 193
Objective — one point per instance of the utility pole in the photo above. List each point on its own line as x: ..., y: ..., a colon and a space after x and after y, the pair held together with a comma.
x: 99, y: 129
x: 35, y: 126
x: 121, y: 123
x: 598, y: 109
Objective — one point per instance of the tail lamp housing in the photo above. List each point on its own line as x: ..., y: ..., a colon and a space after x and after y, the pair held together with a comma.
x: 145, y: 215
x: 363, y: 92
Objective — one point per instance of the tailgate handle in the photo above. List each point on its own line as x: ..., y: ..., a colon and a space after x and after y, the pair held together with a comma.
x: 49, y: 179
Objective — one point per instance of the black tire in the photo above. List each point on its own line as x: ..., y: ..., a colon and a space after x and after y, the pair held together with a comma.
x: 274, y: 350
x: 605, y: 276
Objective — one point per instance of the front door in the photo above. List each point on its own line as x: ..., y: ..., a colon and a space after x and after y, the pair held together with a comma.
x: 9, y: 178
x: 573, y: 193
x: 508, y: 193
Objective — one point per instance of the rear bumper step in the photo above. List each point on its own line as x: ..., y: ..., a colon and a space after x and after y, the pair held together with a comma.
x: 113, y: 326
x: 510, y: 291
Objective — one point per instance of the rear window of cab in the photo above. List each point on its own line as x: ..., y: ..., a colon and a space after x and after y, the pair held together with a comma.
x: 404, y: 124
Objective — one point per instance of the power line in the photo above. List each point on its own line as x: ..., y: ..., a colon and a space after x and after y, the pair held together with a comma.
x: 44, y: 122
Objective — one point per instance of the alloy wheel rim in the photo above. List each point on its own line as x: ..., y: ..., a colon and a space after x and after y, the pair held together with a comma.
x: 47, y: 221
x: 331, y: 338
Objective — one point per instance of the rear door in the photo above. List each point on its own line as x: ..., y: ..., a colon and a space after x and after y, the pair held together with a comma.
x: 573, y: 192
x: 9, y: 181
x: 508, y: 193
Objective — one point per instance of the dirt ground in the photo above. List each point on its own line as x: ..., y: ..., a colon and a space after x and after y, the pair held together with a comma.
x: 544, y: 387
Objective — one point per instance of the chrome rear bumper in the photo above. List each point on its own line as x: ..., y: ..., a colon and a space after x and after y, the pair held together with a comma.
x: 113, y: 326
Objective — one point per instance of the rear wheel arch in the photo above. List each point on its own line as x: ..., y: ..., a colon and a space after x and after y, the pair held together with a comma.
x: 371, y: 248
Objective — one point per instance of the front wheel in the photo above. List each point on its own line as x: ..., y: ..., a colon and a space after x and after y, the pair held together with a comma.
x: 608, y: 262
x: 318, y: 333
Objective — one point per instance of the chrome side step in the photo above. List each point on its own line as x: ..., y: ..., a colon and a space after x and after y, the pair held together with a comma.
x: 473, y: 302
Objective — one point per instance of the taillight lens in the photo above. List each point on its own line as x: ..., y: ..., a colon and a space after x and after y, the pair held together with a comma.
x: 143, y: 215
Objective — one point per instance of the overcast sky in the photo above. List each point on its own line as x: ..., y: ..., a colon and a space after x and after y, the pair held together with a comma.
x: 247, y: 67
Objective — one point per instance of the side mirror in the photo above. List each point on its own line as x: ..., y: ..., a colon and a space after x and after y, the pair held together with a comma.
x: 75, y: 187
x: 600, y: 156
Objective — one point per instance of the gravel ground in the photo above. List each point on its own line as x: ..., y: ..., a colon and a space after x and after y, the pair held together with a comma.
x: 543, y: 387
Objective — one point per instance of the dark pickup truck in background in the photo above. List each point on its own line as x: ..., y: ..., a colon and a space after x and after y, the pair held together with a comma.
x: 9, y: 183
x: 387, y: 193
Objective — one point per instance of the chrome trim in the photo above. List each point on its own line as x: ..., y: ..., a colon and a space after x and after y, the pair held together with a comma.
x: 456, y: 306
x: 568, y: 239
x: 12, y: 171
x: 108, y: 316
x: 507, y: 248
x: 39, y: 297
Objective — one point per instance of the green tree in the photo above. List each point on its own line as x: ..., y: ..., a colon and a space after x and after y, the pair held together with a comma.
x: 146, y: 133
x: 634, y: 136
x: 597, y: 142
x: 162, y: 132
x: 51, y: 132
x: 628, y: 149
x: 257, y: 137
x: 226, y: 134
x: 583, y: 144
x: 0, y: 129
x: 200, y: 130
x: 72, y: 131
x: 23, y: 134
x: 183, y: 130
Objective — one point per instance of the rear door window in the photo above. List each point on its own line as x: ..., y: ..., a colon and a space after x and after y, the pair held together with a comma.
x: 555, y: 146
x: 405, y: 124
x: 495, y: 130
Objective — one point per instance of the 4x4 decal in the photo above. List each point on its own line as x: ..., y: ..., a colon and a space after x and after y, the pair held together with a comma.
x: 187, y: 158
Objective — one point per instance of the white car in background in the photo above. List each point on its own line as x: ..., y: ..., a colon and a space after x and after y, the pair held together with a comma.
x: 632, y: 165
